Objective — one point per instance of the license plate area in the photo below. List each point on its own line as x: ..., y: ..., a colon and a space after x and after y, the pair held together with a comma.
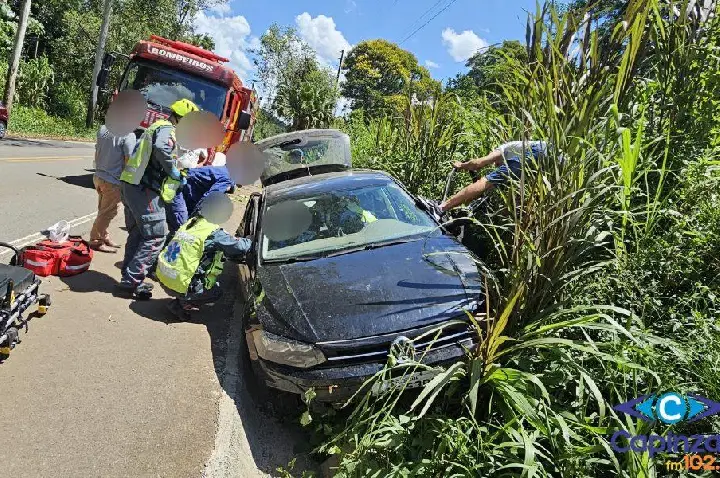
x: 411, y: 380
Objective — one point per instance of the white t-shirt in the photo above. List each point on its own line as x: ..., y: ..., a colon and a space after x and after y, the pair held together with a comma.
x: 514, y: 149
x: 190, y: 159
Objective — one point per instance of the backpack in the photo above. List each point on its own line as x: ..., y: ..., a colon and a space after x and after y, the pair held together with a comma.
x: 62, y: 259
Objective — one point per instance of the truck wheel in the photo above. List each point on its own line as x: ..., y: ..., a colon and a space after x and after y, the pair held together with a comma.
x: 3, y: 129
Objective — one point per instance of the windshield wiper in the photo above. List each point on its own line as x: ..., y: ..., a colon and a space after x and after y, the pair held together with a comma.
x: 368, y: 247
x: 290, y: 260
x: 340, y: 252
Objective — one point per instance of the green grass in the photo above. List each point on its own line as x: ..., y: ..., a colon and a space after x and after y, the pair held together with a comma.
x: 38, y: 123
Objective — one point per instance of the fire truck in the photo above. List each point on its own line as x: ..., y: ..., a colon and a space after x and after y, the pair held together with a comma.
x: 165, y: 71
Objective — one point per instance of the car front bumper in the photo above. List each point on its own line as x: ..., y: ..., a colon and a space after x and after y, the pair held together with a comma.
x: 339, y: 383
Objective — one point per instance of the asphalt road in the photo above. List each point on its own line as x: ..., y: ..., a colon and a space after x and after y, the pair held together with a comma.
x: 102, y: 386
x: 43, y: 182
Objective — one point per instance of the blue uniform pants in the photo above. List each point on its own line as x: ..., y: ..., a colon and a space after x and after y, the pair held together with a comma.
x: 147, y: 227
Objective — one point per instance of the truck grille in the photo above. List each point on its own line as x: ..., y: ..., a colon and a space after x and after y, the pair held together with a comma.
x: 375, y: 349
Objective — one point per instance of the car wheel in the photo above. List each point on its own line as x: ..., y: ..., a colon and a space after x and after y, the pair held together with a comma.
x: 3, y: 129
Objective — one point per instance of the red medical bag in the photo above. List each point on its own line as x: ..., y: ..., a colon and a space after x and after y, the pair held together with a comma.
x: 63, y: 259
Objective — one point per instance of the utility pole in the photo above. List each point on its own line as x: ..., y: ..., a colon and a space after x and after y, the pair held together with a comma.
x: 342, y: 55
x: 99, y: 52
x: 17, y: 50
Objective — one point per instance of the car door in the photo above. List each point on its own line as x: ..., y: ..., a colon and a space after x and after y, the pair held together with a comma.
x: 248, y: 230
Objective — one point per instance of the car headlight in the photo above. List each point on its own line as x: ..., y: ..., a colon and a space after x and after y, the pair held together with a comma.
x: 286, y: 351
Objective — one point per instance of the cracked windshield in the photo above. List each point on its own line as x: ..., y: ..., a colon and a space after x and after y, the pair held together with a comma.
x: 360, y: 238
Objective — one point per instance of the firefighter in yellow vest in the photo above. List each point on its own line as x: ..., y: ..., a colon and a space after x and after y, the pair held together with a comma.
x: 190, y: 264
x: 149, y: 181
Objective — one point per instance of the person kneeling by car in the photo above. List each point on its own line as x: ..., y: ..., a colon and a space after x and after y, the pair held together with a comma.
x: 191, y: 263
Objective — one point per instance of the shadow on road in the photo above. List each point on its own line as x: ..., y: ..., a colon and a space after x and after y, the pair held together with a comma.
x: 82, y: 180
x: 10, y: 141
x: 273, y: 441
x: 90, y: 281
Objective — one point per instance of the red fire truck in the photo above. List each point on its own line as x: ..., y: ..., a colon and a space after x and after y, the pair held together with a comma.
x: 166, y: 70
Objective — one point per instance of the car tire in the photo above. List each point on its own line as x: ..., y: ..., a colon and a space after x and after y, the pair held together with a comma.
x: 3, y: 129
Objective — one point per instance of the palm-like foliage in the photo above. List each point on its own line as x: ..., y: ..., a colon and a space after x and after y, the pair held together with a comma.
x: 308, y: 100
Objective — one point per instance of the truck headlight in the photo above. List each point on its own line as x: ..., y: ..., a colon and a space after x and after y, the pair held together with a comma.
x: 286, y: 351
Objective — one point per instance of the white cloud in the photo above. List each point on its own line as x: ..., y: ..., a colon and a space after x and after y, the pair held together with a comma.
x: 220, y: 9
x: 322, y: 34
x: 462, y: 46
x: 431, y: 64
x: 232, y: 39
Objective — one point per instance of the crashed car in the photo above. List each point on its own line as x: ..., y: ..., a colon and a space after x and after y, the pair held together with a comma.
x: 4, y: 117
x: 346, y: 265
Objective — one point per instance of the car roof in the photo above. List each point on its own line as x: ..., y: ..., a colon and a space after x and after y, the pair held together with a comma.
x: 323, y: 183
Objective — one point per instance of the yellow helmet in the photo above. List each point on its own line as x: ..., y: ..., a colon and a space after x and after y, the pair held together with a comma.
x: 183, y: 107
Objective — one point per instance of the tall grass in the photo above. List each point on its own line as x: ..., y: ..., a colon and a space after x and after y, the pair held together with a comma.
x: 558, y: 346
x: 419, y: 145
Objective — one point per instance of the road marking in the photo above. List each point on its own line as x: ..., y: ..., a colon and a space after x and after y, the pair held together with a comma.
x: 39, y: 236
x: 44, y: 158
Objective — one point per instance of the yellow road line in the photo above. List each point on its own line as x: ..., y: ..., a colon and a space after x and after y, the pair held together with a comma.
x: 44, y: 158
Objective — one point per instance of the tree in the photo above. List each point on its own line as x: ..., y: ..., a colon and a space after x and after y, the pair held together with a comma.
x: 9, y: 95
x: 496, y: 66
x: 376, y: 71
x: 308, y: 98
x: 296, y: 87
x: 282, y: 53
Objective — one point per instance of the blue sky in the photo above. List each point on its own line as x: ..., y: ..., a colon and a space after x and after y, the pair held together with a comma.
x: 331, y: 25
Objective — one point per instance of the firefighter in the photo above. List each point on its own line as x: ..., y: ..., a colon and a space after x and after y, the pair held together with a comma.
x: 191, y: 263
x: 150, y: 180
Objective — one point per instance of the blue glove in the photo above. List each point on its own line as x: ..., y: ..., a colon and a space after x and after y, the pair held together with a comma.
x: 175, y: 174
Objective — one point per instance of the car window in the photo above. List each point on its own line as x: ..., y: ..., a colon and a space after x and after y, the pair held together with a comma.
x: 312, y: 150
x: 247, y: 221
x: 337, y: 220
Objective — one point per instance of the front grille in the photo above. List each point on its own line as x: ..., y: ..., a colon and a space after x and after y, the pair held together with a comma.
x: 375, y: 349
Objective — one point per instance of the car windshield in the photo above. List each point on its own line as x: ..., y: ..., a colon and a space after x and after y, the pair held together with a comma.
x: 162, y: 86
x: 307, y: 150
x: 328, y: 222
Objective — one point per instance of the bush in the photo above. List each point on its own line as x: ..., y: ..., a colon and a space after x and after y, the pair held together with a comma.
x: 36, y: 122
x: 34, y: 80
x: 69, y: 101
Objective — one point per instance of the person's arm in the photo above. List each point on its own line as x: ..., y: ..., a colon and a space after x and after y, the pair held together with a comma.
x: 235, y: 248
x: 495, y: 157
x: 467, y: 194
x: 129, y: 146
x: 165, y: 152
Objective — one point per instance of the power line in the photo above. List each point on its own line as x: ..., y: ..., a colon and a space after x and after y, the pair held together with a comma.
x: 426, y: 23
x: 419, y: 19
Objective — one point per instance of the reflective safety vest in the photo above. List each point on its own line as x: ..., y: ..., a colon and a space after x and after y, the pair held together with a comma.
x: 367, y: 216
x: 180, y: 259
x: 136, y: 165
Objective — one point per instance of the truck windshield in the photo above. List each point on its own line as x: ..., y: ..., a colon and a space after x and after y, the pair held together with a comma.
x: 162, y: 86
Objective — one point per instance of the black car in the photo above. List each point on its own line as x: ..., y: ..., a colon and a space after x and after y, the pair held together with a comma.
x: 346, y: 265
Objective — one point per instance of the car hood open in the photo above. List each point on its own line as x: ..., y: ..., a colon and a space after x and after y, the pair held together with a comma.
x: 370, y: 292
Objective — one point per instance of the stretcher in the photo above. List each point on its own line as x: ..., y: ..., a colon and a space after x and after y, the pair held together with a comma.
x: 19, y: 290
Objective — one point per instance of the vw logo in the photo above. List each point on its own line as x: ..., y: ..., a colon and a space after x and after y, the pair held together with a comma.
x: 403, y: 349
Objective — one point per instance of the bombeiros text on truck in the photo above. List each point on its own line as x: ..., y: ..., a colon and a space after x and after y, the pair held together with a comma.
x: 165, y: 71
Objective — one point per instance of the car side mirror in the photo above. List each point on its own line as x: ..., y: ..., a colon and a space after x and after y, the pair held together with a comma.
x: 107, y: 63
x: 244, y: 121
